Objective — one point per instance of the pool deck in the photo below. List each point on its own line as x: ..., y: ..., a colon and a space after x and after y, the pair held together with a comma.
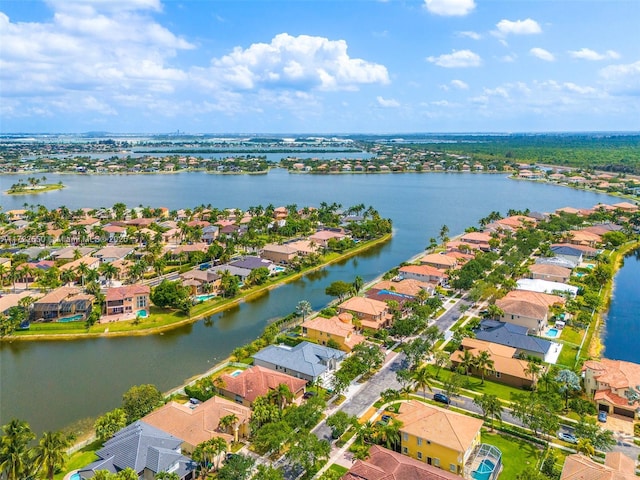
x: 121, y: 317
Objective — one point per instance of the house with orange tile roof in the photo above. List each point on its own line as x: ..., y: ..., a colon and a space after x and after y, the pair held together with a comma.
x: 617, y: 466
x: 373, y: 314
x: 506, y: 368
x: 384, y: 464
x: 279, y: 253
x: 478, y: 238
x: 407, y: 287
x: 614, y: 385
x: 528, y: 309
x: 90, y: 262
x: 423, y: 273
x: 127, y: 299
x: 440, y: 261
x: 551, y: 273
x: 62, y: 303
x: 257, y: 382
x: 626, y: 207
x: 437, y: 436
x: 340, y: 329
x: 581, y: 237
x: 195, y: 423
x: 322, y: 237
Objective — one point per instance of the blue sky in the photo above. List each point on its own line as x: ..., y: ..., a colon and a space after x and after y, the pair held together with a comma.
x: 310, y: 66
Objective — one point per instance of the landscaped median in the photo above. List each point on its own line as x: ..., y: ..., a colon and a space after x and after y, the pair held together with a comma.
x: 161, y: 320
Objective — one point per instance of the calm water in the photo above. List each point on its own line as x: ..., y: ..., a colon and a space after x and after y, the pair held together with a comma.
x: 51, y: 384
x: 622, y: 327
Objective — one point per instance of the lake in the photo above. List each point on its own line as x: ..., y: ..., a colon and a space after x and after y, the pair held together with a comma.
x: 621, y: 333
x: 51, y: 384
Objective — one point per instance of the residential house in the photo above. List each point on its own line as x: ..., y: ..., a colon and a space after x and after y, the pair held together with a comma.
x: 322, y: 237
x: 92, y: 263
x: 111, y: 254
x: 115, y: 233
x: 145, y: 449
x: 626, y: 207
x: 210, y: 233
x: 253, y: 263
x: 556, y: 261
x: 516, y: 336
x: 279, y: 253
x: 552, y: 273
x: 545, y: 286
x: 61, y: 304
x: 507, y: 367
x: 587, y: 251
x: 408, y: 288
x: 423, y: 273
x: 437, y: 436
x: 69, y: 253
x: 582, y: 237
x: 568, y: 252
x: 195, y: 423
x: 241, y: 273
x: 384, y: 464
x: 128, y: 299
x: 201, y: 281
x: 306, y: 360
x: 529, y: 309
x: 617, y: 466
x: 10, y: 300
x: 373, y: 314
x: 439, y: 261
x: 338, y: 328
x: 256, y: 382
x: 614, y: 385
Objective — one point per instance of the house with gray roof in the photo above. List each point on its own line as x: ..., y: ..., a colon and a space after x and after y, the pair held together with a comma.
x: 515, y: 336
x: 241, y: 273
x: 568, y: 252
x: 557, y: 261
x: 251, y: 263
x: 306, y: 360
x: 145, y: 449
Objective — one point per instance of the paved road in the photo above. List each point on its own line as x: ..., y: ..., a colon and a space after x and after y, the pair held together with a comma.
x: 451, y: 316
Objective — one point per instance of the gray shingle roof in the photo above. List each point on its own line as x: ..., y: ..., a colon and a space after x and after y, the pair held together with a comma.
x: 512, y: 336
x: 307, y: 358
x: 251, y: 263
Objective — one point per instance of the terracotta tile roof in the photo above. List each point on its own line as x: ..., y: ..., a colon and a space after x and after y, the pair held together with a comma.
x: 522, y: 308
x: 127, y: 291
x: 62, y: 293
x: 476, y: 237
x: 616, y: 373
x: 258, y: 381
x: 554, y: 270
x: 340, y: 326
x: 544, y: 299
x: 384, y: 464
x: 197, y: 423
x: 423, y: 270
x: 501, y: 355
x: 326, y: 235
x: 438, y: 259
x: 407, y: 286
x: 444, y: 427
x: 88, y: 261
x: 367, y: 306
x: 580, y: 467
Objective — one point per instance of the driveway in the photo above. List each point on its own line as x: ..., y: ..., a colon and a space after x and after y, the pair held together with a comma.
x: 452, y: 315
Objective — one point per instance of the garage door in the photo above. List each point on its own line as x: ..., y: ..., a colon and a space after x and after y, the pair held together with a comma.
x: 603, y: 408
x: 623, y: 411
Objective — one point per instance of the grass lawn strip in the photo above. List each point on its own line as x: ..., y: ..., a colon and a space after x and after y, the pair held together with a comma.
x: 517, y: 454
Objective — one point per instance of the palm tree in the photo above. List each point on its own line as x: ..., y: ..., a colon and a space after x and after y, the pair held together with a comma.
x: 422, y: 379
x: 303, y: 308
x: 388, y: 434
x: 490, y: 405
x: 109, y: 271
x: 533, y: 370
x: 167, y: 476
x: 218, y: 446
x: 227, y: 421
x: 83, y: 270
x: 483, y: 363
x: 366, y: 432
x: 281, y: 395
x: 585, y: 446
x: 51, y: 452
x: 15, y: 453
x: 467, y: 361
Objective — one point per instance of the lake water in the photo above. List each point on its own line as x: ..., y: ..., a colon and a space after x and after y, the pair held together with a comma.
x: 621, y: 335
x: 51, y: 384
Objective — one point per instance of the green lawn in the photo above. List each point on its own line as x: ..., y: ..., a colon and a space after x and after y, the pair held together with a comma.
x: 567, y: 356
x: 475, y: 385
x: 517, y: 454
x: 572, y: 335
x: 338, y: 469
x: 79, y: 459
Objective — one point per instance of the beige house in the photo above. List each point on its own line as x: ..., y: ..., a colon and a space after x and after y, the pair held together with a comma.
x: 372, y: 314
x: 257, y: 382
x: 528, y: 309
x: 339, y: 328
x: 128, y: 299
x: 423, y: 273
x: 616, y: 467
x: 551, y: 273
x: 440, y: 261
x: 197, y: 423
x: 279, y: 253
x: 614, y: 385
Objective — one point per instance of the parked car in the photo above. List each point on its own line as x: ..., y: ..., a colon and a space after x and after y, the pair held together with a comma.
x: 567, y: 437
x: 308, y: 395
x: 602, y: 417
x: 442, y: 398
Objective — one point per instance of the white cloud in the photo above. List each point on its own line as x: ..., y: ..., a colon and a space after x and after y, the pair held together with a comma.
x: 459, y: 84
x: 470, y: 34
x: 509, y: 58
x: 457, y: 59
x: 588, y: 54
x: 622, y: 79
x: 542, y: 54
x: 450, y: 7
x: 300, y: 62
x: 517, y: 27
x: 387, y: 102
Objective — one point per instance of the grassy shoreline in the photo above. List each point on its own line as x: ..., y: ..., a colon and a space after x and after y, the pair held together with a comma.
x: 594, y: 347
x: 176, y: 319
x: 33, y: 191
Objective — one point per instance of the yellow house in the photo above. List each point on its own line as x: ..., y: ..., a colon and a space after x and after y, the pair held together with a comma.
x: 339, y: 328
x: 437, y: 436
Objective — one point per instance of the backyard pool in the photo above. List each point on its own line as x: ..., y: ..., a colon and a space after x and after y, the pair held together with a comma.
x: 75, y: 476
x: 391, y: 292
x: 484, y: 471
x: 236, y: 373
x: 204, y: 298
x: 279, y: 269
x: 552, y: 332
x: 142, y: 314
x: 75, y: 318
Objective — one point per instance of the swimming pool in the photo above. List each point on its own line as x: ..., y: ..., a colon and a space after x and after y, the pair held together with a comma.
x: 143, y: 313
x: 484, y: 470
x: 552, y: 332
x: 75, y: 476
x: 75, y: 318
x: 279, y: 269
x: 236, y: 373
x: 391, y: 292
x: 204, y: 298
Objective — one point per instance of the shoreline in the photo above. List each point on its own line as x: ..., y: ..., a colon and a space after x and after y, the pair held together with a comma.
x: 208, y: 312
